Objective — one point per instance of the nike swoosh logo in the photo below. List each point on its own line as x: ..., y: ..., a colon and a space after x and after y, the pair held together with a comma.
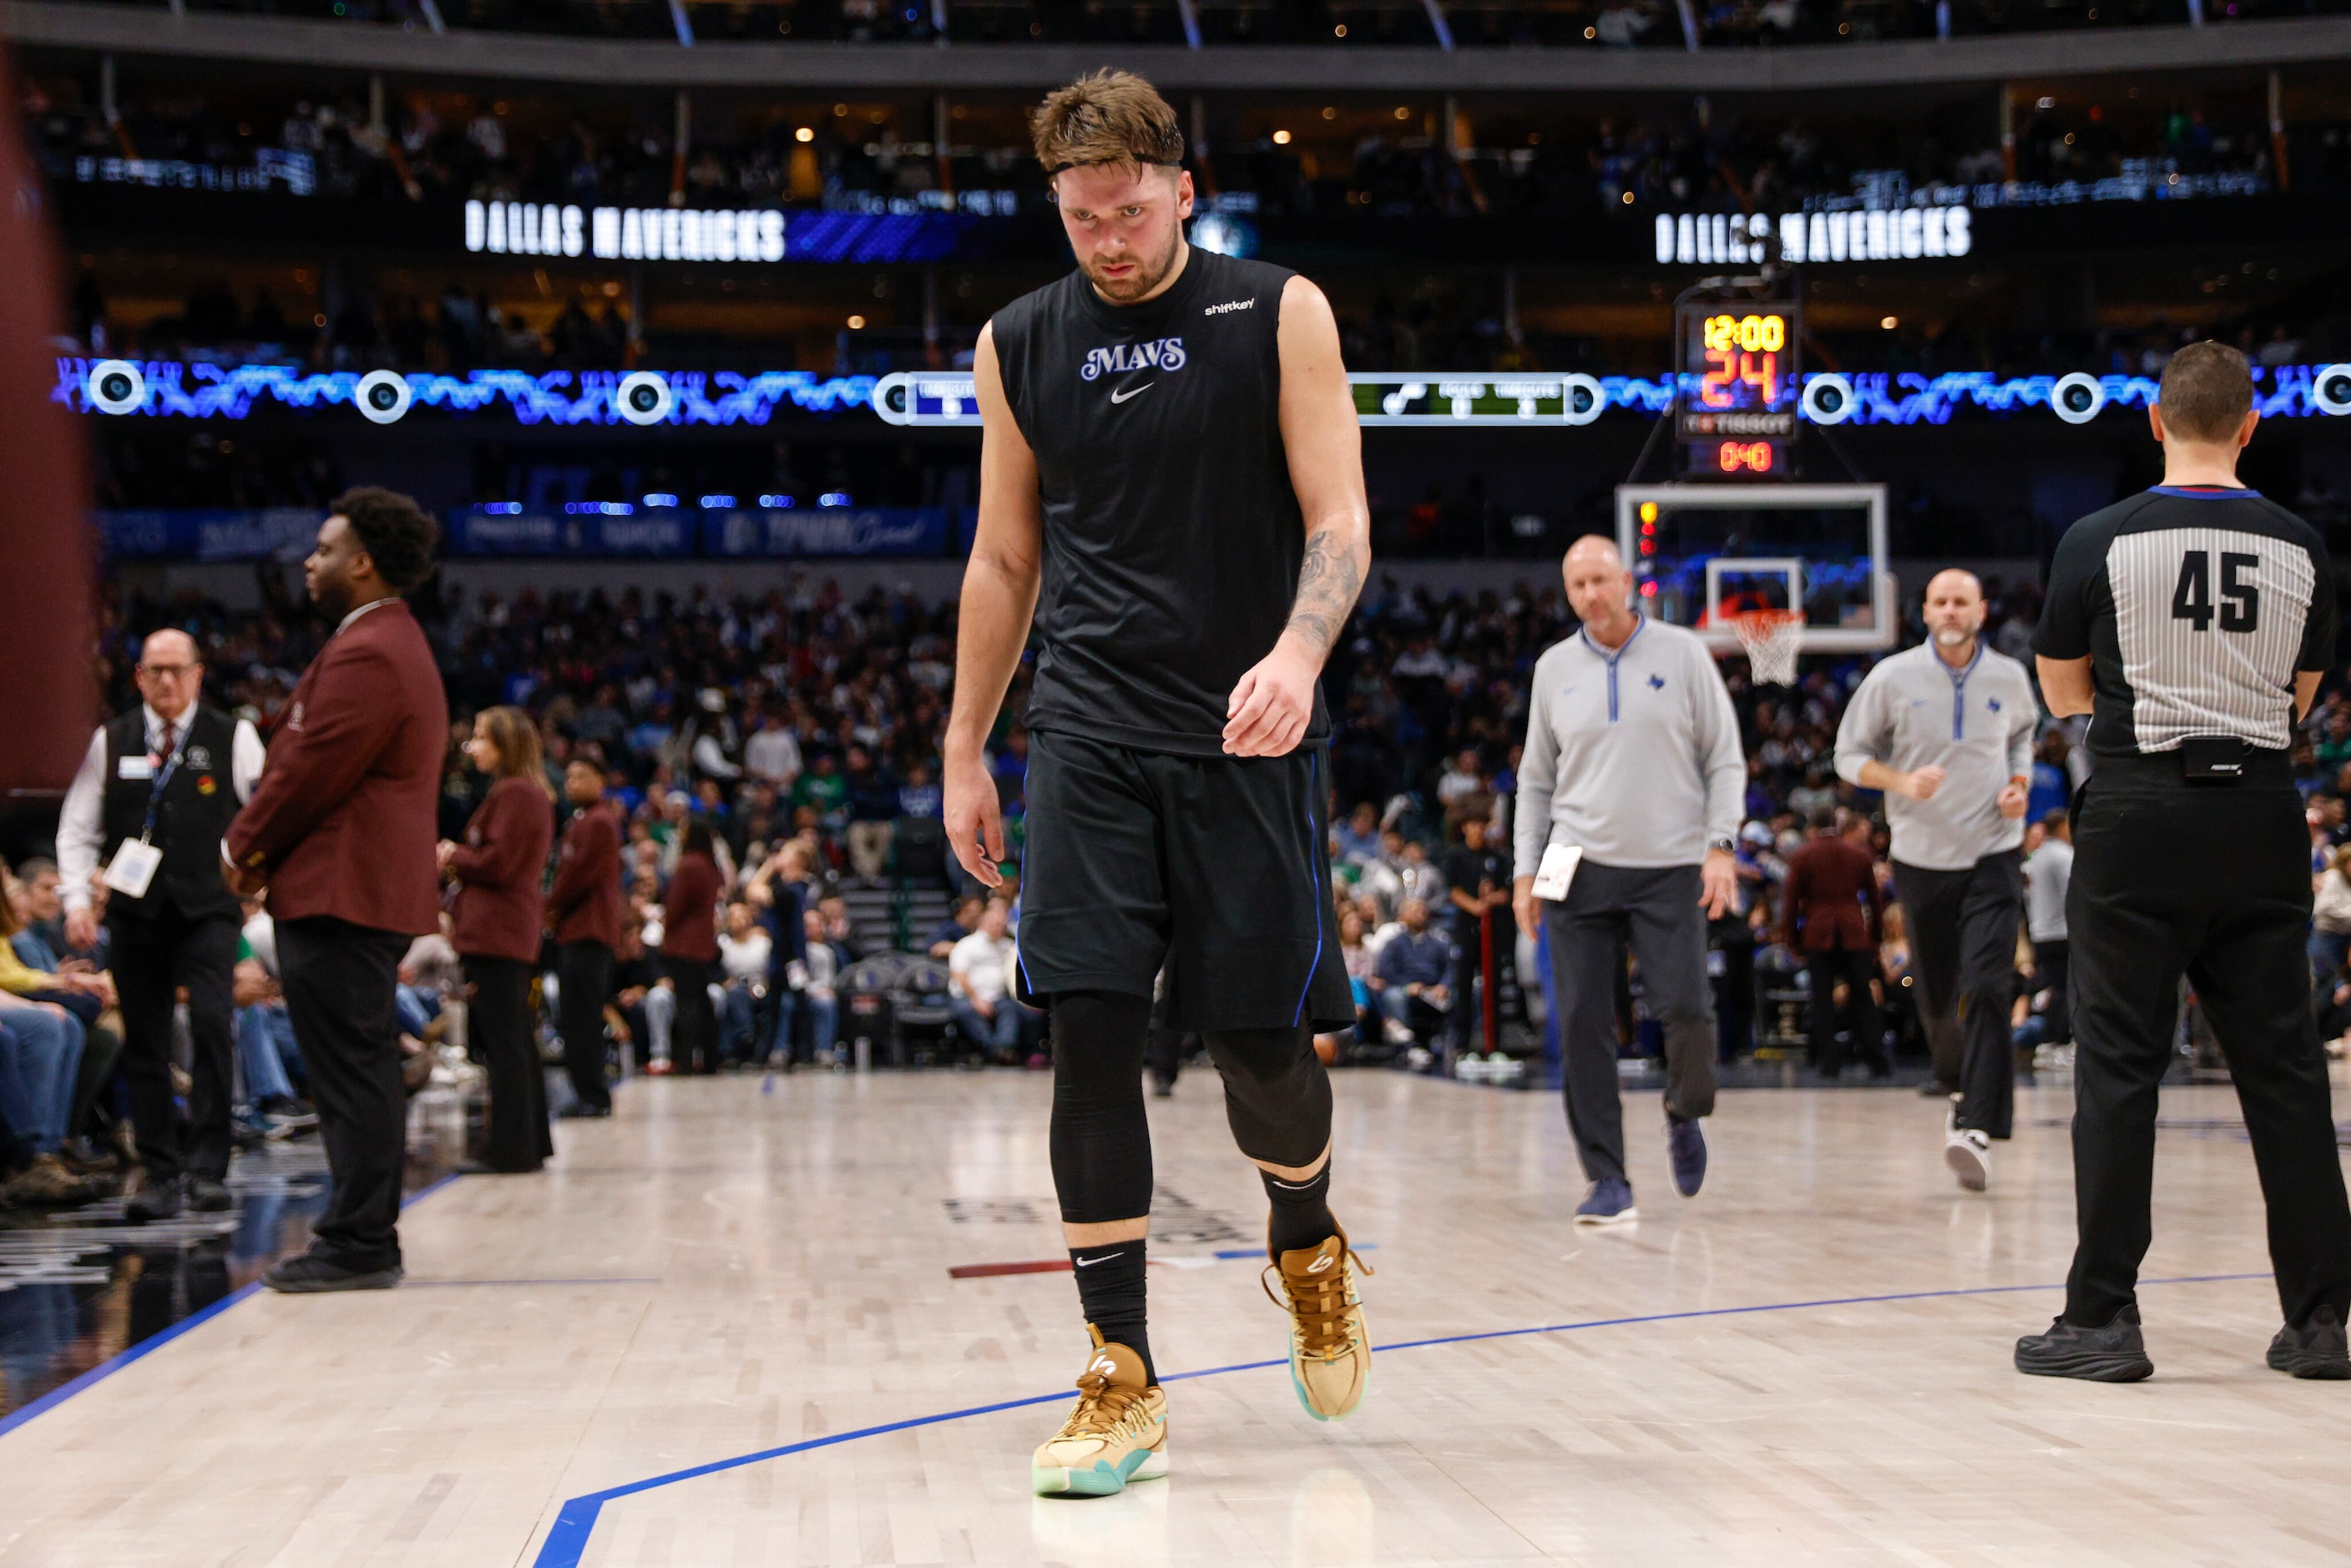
x: 1137, y: 391
x: 1090, y: 1262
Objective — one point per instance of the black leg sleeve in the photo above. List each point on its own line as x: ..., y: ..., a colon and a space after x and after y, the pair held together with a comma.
x: 1101, y: 1135
x: 1276, y: 1093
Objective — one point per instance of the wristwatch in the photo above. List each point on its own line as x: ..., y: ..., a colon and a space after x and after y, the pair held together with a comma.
x: 1725, y: 845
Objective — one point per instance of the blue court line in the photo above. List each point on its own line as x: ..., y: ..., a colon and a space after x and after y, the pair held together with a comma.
x: 116, y: 1363
x: 567, y: 1540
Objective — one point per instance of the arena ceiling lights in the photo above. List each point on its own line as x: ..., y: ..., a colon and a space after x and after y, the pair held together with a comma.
x: 168, y: 389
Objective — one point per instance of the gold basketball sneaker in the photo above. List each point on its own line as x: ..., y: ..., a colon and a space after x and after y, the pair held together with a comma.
x: 1117, y: 1433
x: 1329, y: 1349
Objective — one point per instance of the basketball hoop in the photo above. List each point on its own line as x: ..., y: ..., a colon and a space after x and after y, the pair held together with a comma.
x: 1772, y: 639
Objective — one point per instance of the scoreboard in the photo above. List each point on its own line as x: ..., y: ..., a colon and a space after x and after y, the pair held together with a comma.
x: 1741, y: 383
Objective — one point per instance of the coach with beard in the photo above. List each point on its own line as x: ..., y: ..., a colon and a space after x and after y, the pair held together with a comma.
x: 340, y: 833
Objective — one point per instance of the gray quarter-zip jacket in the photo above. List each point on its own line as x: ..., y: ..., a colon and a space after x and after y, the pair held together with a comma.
x: 1633, y: 754
x: 1975, y: 724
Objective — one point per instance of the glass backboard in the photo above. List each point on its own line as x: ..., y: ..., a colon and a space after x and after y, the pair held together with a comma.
x: 1700, y: 554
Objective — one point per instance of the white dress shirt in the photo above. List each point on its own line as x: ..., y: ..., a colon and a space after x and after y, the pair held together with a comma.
x: 81, y: 827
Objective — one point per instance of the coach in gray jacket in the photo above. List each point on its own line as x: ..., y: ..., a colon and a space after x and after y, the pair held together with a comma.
x: 1946, y: 729
x: 1632, y: 757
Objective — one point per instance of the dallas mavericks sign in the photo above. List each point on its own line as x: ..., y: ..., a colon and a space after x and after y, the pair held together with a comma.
x: 1900, y: 234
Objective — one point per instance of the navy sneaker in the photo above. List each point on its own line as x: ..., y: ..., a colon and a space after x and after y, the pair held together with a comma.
x: 1686, y: 1146
x: 1610, y: 1202
x: 2316, y: 1349
x: 2115, y: 1354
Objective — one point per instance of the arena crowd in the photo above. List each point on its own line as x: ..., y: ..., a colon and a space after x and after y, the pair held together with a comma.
x: 791, y: 741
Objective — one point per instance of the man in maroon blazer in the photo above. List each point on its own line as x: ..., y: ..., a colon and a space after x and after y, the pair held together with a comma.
x: 584, y: 908
x: 1832, y: 917
x: 340, y: 833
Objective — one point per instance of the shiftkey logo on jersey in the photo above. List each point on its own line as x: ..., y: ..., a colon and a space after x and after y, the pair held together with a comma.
x: 1159, y: 354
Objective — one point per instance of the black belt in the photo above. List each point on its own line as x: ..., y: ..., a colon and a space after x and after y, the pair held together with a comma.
x: 2202, y: 762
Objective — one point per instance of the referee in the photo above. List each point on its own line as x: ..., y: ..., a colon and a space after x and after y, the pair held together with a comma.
x: 2193, y: 622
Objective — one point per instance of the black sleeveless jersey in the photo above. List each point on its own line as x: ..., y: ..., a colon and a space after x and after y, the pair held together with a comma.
x: 1173, y: 537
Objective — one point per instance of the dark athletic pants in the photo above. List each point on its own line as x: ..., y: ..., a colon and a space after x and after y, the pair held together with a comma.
x: 1854, y: 967
x: 1962, y: 928
x: 2214, y: 885
x: 153, y: 956
x: 499, y: 1030
x: 340, y: 981
x: 1657, y: 909
x: 583, y: 972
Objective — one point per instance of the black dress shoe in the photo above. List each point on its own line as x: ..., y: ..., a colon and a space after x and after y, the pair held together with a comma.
x: 206, y: 1194
x: 307, y: 1275
x: 2115, y: 1354
x: 155, y: 1200
x: 2316, y: 1349
x: 579, y: 1110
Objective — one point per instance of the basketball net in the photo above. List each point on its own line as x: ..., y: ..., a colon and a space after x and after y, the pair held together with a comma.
x: 1772, y: 639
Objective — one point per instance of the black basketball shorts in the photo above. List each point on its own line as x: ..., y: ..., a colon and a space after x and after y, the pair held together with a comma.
x: 1215, y: 868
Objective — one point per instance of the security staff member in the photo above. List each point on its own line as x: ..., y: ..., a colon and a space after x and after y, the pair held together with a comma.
x: 151, y: 803
x: 2193, y: 622
x: 1945, y: 730
x: 1631, y: 762
x: 340, y: 835
x: 584, y: 908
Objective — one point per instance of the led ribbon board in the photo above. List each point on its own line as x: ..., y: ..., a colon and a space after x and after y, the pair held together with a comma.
x: 174, y: 389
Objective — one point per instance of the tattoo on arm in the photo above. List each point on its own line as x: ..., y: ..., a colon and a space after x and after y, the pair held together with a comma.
x: 1328, y: 582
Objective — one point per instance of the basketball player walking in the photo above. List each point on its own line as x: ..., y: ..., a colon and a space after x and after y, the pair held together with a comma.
x: 1171, y: 487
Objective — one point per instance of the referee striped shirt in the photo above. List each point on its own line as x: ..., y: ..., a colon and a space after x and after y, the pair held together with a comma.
x: 2197, y: 606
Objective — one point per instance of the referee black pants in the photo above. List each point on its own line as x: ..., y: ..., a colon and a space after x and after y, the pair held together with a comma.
x: 1963, y: 926
x: 2212, y: 884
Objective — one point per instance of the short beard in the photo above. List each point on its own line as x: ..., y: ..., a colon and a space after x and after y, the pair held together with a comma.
x: 1147, y: 277
x: 1952, y: 636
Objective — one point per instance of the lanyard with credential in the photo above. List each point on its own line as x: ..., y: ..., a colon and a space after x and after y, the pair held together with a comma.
x: 163, y: 778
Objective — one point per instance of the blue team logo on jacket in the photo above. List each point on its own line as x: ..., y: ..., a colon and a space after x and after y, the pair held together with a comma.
x: 1159, y: 354
x: 1993, y: 703
x: 1656, y: 683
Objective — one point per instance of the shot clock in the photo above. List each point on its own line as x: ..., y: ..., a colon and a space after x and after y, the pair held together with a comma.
x: 1740, y: 387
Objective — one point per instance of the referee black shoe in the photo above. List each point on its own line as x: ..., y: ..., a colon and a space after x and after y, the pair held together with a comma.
x: 2316, y: 1349
x: 2115, y: 1354
x: 308, y: 1275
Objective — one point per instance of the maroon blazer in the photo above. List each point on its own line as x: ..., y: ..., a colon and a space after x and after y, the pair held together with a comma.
x: 1830, y: 882
x: 343, y: 819
x: 500, y: 870
x: 690, y: 911
x: 585, y: 902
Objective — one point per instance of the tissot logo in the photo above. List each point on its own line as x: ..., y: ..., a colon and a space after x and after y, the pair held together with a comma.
x: 1159, y: 354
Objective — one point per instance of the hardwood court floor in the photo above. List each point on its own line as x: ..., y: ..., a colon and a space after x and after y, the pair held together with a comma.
x: 727, y: 1268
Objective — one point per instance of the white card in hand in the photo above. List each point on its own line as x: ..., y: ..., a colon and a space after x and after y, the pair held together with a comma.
x: 1557, y: 870
x: 134, y: 867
